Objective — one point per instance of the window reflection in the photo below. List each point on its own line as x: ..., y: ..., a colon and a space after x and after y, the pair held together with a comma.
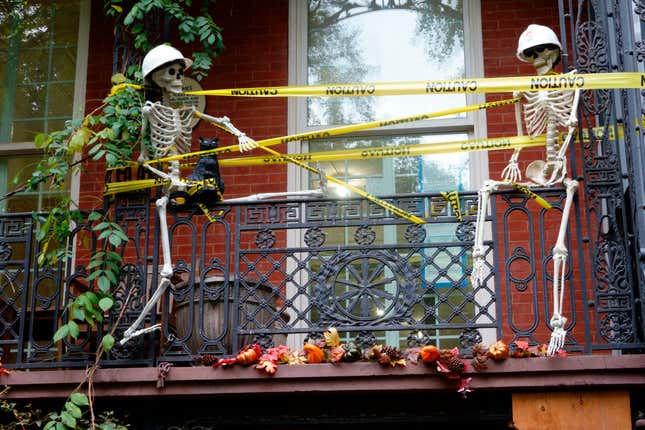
x: 372, y: 41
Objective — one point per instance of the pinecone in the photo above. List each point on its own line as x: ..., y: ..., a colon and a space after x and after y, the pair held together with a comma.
x: 392, y: 352
x: 209, y: 359
x: 479, y: 362
x: 451, y: 361
x: 387, y: 354
x: 480, y: 357
x: 480, y: 349
x: 455, y: 365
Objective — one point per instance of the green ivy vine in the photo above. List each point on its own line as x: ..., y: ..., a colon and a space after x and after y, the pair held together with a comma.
x: 110, y: 134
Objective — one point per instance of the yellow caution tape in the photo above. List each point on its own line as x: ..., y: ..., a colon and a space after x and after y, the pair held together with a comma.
x: 452, y: 197
x: 336, y: 131
x: 589, y: 81
x: 394, y: 151
x: 116, y: 88
x: 141, y: 184
x: 539, y: 200
x: 394, y: 209
x: 388, y: 206
x: 133, y: 185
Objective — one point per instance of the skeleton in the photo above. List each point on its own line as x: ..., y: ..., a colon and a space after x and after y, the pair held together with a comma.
x: 544, y: 112
x: 170, y: 134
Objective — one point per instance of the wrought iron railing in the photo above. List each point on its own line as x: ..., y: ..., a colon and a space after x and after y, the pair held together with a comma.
x: 281, y: 272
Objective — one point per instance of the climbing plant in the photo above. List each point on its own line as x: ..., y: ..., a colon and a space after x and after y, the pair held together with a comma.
x: 108, y: 135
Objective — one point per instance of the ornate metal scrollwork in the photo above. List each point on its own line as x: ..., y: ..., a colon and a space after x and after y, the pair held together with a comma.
x: 469, y: 337
x: 314, y: 237
x: 365, y: 288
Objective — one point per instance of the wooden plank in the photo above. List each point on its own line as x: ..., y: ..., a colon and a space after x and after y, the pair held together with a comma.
x: 581, y: 410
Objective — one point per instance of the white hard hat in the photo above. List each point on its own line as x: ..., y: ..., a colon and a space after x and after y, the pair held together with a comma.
x: 160, y: 55
x: 536, y: 35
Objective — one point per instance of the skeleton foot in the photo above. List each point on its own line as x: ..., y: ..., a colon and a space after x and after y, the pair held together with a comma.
x: 477, y: 275
x: 558, y: 336
x: 129, y: 335
x: 132, y: 330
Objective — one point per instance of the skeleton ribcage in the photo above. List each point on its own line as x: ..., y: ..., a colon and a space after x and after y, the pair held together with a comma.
x: 170, y: 131
x: 543, y: 107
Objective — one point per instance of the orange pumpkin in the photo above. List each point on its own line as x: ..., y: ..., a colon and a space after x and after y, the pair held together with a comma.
x: 498, y: 351
x: 429, y: 353
x: 314, y: 353
x: 249, y: 355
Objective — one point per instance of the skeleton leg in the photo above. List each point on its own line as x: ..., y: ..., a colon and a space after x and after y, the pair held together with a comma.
x: 477, y: 275
x: 558, y: 322
x: 166, y: 273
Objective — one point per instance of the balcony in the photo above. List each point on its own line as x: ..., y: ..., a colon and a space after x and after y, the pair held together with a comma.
x: 283, y: 272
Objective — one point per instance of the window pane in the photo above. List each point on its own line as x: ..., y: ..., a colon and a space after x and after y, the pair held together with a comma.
x: 427, y: 173
x: 20, y: 167
x: 37, y: 67
x: 365, y: 41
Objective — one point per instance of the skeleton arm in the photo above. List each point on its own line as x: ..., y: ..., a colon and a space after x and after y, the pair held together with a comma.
x: 245, y: 142
x: 145, y: 111
x: 511, y: 172
x: 571, y: 124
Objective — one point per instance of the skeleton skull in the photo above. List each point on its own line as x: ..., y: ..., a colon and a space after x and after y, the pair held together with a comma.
x: 169, y: 77
x: 543, y: 58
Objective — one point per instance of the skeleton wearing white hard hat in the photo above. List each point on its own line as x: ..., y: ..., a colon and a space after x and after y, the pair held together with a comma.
x: 544, y: 113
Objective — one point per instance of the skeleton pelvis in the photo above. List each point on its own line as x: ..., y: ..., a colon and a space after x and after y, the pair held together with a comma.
x: 535, y: 171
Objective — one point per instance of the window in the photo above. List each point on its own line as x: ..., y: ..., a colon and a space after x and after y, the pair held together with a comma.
x: 43, y: 48
x: 336, y: 42
x: 387, y: 41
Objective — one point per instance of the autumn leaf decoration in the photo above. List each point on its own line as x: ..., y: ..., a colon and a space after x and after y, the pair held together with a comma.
x: 336, y: 349
x: 268, y: 362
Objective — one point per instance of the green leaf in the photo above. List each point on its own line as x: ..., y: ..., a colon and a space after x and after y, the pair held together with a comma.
x: 106, y: 303
x: 94, y: 275
x: 104, y: 234
x: 85, y: 301
x: 101, y: 226
x: 93, y: 297
x: 111, y: 276
x: 73, y: 329
x: 94, y: 216
x: 49, y: 425
x: 115, y: 240
x: 74, y: 410
x: 39, y: 140
x: 77, y: 313
x: 118, y: 78
x: 107, y: 342
x: 60, y: 426
x: 68, y: 419
x: 62, y: 332
x: 79, y: 399
x: 104, y: 284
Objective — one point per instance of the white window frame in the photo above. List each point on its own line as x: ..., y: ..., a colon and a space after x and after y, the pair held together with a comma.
x: 9, y: 149
x: 474, y: 123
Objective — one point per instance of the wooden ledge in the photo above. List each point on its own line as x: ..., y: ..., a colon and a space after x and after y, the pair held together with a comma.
x: 517, y: 374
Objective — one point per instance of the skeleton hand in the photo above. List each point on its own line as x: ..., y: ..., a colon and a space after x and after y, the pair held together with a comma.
x: 143, y: 157
x: 511, y: 172
x: 246, y: 143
